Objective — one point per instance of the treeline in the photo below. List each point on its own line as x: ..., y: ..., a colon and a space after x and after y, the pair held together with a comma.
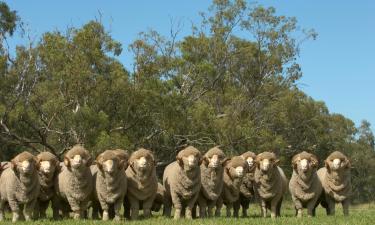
x: 232, y: 82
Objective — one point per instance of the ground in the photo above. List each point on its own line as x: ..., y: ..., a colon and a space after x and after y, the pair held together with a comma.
x: 360, y: 214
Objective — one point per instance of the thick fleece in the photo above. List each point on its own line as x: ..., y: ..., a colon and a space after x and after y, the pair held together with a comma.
x: 19, y: 186
x: 270, y: 183
x: 336, y: 180
x: 142, y: 183
x: 74, y: 184
x: 304, y: 185
x: 182, y: 183
x: 212, y: 181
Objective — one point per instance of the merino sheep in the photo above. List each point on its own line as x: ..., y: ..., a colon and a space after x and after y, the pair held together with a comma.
x: 182, y: 183
x: 110, y: 183
x: 142, y: 183
x: 212, y: 181
x: 335, y: 178
x: 270, y: 183
x: 49, y: 167
x: 247, y: 186
x: 233, y: 174
x: 19, y: 186
x: 304, y: 185
x: 74, y: 184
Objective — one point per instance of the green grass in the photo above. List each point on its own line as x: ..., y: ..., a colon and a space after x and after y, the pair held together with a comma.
x: 363, y: 214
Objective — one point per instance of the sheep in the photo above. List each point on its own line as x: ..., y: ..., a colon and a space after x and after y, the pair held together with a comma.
x: 110, y: 183
x: 233, y: 174
x: 19, y: 186
x: 49, y: 167
x: 335, y: 178
x: 182, y: 183
x: 270, y: 183
x: 212, y: 181
x: 142, y: 183
x: 247, y: 186
x: 74, y: 184
x: 304, y: 185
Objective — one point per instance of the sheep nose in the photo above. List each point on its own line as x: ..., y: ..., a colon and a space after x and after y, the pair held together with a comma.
x: 25, y: 166
x: 215, y: 161
x: 142, y: 162
x: 239, y: 171
x: 265, y: 164
x: 191, y: 160
x: 77, y: 159
x: 304, y: 164
x: 336, y: 163
x: 109, y: 165
x: 250, y: 161
x: 46, y: 166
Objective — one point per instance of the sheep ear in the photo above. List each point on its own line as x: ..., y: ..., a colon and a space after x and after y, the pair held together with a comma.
x: 200, y: 159
x: 276, y: 162
x: 66, y: 162
x: 326, y: 164
x: 225, y: 162
x: 121, y: 164
x: 37, y: 162
x: 179, y: 161
x: 314, y: 161
x: 205, y: 161
x: 348, y: 164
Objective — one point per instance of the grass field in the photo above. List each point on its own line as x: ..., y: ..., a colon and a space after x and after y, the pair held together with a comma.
x: 362, y: 214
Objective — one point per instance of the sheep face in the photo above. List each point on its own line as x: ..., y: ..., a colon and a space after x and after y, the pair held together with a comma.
x: 337, y: 161
x: 304, y: 163
x: 77, y: 158
x: 48, y: 163
x: 142, y: 161
x: 108, y: 162
x: 214, y: 158
x: 266, y: 161
x: 189, y: 158
x: 24, y: 163
x: 236, y: 167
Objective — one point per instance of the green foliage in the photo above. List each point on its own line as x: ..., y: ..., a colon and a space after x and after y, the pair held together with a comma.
x: 232, y: 82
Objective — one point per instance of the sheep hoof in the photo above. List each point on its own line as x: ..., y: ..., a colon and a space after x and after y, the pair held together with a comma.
x: 16, y: 217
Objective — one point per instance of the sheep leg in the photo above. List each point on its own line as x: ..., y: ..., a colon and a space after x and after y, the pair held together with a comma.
x: 210, y: 208
x: 236, y: 208
x: 105, y: 215
x: 263, y: 208
x: 16, y: 210
x: 345, y: 207
x: 126, y: 208
x: 245, y: 206
x: 28, y: 211
x: 147, y: 205
x: 167, y: 208
x: 55, y: 207
x: 42, y: 209
x: 2, y: 204
x: 202, y: 207
x: 311, y: 209
x: 330, y: 207
x: 117, y: 209
x: 219, y: 205
x: 134, y: 207
x: 229, y: 207
x: 75, y: 206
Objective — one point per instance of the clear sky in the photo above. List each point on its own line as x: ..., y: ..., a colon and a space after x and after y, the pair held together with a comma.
x: 338, y: 68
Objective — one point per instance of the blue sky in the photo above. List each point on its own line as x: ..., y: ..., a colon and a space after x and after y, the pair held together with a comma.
x: 338, y: 67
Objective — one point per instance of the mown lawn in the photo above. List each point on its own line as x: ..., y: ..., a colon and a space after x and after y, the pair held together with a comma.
x: 363, y: 214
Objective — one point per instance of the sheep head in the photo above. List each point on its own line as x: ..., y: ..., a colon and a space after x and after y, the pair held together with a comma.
x: 142, y: 160
x: 122, y: 155
x: 337, y: 161
x: 48, y: 163
x: 266, y: 161
x: 214, y: 158
x: 109, y: 162
x: 249, y: 157
x: 24, y: 163
x: 189, y: 158
x: 304, y: 163
x: 77, y: 157
x: 236, y: 167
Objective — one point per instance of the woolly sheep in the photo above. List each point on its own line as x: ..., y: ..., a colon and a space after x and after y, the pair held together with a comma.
x: 270, y: 183
x: 233, y: 174
x: 110, y: 183
x: 335, y: 178
x: 247, y: 186
x: 19, y: 186
x: 182, y: 182
x: 212, y: 181
x: 304, y: 185
x: 49, y: 167
x: 74, y: 184
x: 142, y: 183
